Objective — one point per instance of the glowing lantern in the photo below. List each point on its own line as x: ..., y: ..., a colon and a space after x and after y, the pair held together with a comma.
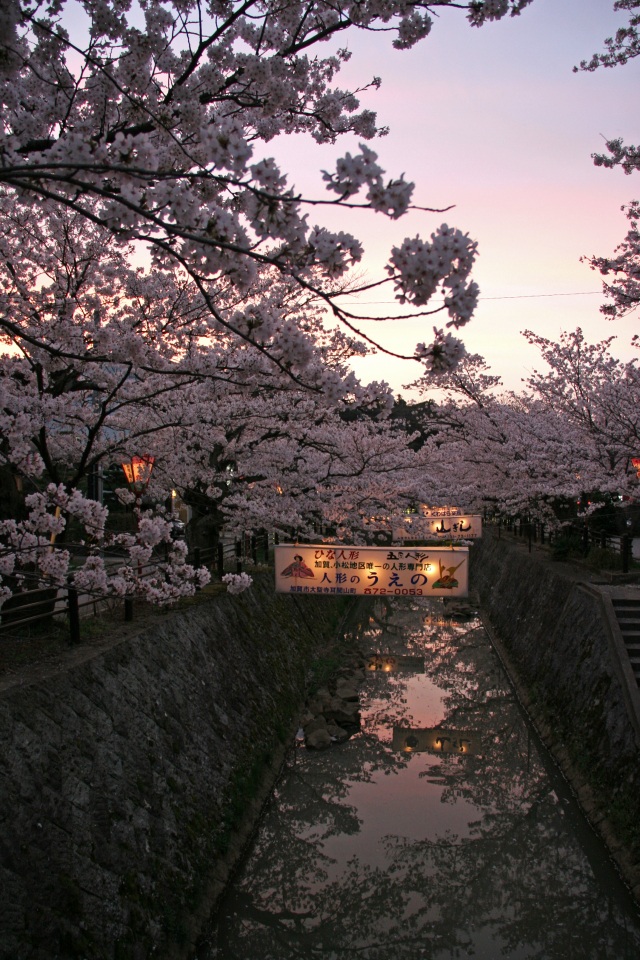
x: 138, y: 472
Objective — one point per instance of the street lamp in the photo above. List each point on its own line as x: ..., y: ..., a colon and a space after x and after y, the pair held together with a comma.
x: 137, y: 470
x: 138, y: 473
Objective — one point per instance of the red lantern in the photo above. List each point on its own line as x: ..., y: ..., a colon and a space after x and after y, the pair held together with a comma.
x: 138, y: 472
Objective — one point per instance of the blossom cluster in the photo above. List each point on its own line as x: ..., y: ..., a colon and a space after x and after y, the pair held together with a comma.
x: 442, y: 355
x: 354, y: 172
x: 237, y: 582
x: 418, y: 267
x: 120, y: 565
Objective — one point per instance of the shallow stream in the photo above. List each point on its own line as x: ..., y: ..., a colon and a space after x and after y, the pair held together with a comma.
x: 439, y: 830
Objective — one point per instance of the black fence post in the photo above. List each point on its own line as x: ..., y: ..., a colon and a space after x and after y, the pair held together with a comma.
x: 625, y: 546
x: 254, y: 548
x: 128, y: 609
x: 238, y: 556
x: 74, y: 614
x: 196, y: 557
x: 220, y: 563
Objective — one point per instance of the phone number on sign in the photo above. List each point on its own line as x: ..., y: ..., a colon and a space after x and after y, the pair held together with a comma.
x: 398, y: 592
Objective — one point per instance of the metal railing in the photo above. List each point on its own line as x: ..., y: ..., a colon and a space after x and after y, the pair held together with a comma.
x: 573, y: 539
x: 43, y: 605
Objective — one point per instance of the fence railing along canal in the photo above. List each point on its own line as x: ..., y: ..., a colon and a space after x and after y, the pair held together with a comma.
x: 42, y: 605
x: 575, y: 539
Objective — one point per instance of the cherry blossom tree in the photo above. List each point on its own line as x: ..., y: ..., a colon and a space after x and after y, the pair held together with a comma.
x: 154, y: 123
x: 622, y: 270
x: 597, y: 396
x: 575, y: 429
x: 624, y: 46
x: 102, y: 358
x: 144, y: 132
x: 508, y: 453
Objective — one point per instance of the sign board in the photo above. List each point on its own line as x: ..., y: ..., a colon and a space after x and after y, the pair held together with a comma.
x: 323, y: 568
x: 458, y: 527
x: 434, y: 740
x: 447, y: 511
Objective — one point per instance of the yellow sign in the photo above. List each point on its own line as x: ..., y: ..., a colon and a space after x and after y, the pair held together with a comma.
x: 322, y: 568
x: 434, y: 740
x: 459, y: 527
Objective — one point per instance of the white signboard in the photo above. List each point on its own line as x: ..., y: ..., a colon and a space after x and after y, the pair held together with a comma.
x: 322, y: 568
x: 459, y: 527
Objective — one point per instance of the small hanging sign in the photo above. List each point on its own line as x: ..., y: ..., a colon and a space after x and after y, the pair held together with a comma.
x: 460, y: 527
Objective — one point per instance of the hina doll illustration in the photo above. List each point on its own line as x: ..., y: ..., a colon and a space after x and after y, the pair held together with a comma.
x: 298, y: 569
x: 446, y: 580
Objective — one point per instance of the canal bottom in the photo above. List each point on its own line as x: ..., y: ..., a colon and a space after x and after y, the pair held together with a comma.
x: 439, y: 830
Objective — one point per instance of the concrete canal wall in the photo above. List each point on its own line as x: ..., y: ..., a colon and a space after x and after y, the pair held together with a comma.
x: 553, y: 633
x: 131, y: 774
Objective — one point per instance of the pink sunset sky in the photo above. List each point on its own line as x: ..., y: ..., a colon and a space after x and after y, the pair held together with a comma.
x: 494, y: 121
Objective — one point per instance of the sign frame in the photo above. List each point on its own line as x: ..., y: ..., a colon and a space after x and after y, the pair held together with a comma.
x: 337, y: 569
x: 462, y: 526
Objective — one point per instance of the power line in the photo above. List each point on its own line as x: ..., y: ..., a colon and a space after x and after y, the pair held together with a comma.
x: 532, y: 296
x: 518, y: 296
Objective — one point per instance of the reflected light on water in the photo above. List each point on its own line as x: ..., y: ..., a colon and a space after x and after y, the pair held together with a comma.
x: 368, y: 853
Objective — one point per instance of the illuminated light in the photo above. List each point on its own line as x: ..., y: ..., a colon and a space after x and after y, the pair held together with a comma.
x: 138, y: 472
x: 434, y: 740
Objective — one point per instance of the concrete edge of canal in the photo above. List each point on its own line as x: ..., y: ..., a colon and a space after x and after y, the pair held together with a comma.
x: 549, y: 626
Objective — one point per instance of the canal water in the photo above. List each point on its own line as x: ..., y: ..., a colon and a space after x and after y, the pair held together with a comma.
x: 439, y: 830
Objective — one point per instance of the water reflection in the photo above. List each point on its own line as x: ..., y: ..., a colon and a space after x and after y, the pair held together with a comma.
x: 368, y: 853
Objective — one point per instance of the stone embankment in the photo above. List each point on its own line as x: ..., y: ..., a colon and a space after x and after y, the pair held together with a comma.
x: 332, y: 714
x: 132, y: 774
x: 549, y: 623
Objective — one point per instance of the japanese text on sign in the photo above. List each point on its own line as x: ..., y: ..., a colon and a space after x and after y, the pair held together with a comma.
x: 467, y: 527
x: 372, y: 571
